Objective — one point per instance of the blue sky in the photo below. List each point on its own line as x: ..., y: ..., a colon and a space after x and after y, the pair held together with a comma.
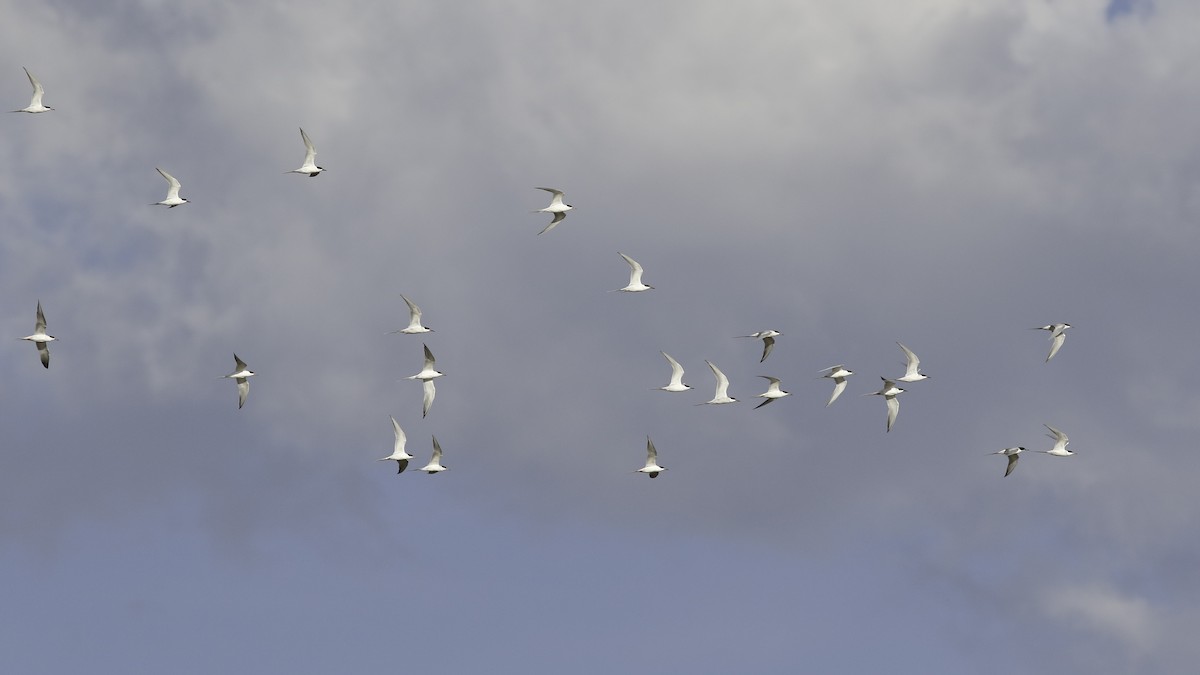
x: 852, y: 175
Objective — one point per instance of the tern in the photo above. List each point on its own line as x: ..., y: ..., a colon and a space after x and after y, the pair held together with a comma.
x: 773, y: 391
x: 1060, y: 443
x: 428, y: 372
x: 838, y: 374
x: 40, y: 337
x: 398, y: 454
x: 310, y: 158
x: 172, y: 199
x: 414, y: 319
x: 1058, y: 335
x: 768, y: 338
x: 557, y: 207
x: 435, y: 464
x: 1013, y: 455
x: 430, y: 391
x: 912, y: 366
x: 242, y: 375
x: 652, y: 468
x: 722, y: 395
x: 635, y: 276
x: 676, y: 383
x: 35, y: 103
x: 889, y: 391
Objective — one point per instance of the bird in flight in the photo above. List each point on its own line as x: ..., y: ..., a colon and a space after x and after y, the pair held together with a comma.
x: 241, y: 374
x: 722, y: 395
x: 557, y: 207
x: 35, y: 103
x: 768, y: 338
x: 427, y: 372
x: 1060, y: 443
x: 172, y: 199
x: 911, y: 367
x: 1013, y: 455
x: 414, y: 319
x: 435, y: 464
x: 651, y: 468
x: 889, y: 392
x: 1058, y: 335
x: 838, y: 374
x: 398, y: 453
x: 40, y: 337
x: 773, y: 391
x: 635, y: 276
x: 310, y: 158
x: 676, y: 383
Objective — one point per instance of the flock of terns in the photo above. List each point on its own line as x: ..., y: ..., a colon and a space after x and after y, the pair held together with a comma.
x: 558, y: 209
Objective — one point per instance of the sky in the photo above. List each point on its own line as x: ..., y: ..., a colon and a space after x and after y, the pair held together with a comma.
x: 852, y: 174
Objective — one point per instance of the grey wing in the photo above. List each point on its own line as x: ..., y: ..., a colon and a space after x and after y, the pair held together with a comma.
x: 1056, y: 343
x: 243, y: 391
x: 44, y: 352
x: 1012, y: 463
x: 41, y: 320
x: 430, y: 392
x: 768, y: 345
x: 893, y: 407
x: 558, y: 218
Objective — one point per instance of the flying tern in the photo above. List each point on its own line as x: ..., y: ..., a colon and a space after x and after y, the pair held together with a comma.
x: 838, y: 374
x: 722, y: 395
x: 1013, y: 455
x: 398, y: 454
x: 414, y: 319
x: 435, y: 464
x: 40, y: 337
x: 427, y: 372
x: 652, y: 468
x: 889, y: 391
x: 1060, y: 443
x: 241, y: 374
x: 768, y: 338
x: 557, y: 207
x: 676, y: 383
x: 1058, y: 335
x: 773, y: 391
x: 172, y: 199
x: 35, y: 103
x: 310, y: 158
x: 912, y: 366
x: 635, y: 276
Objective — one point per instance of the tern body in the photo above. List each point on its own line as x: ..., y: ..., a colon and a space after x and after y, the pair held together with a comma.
x: 241, y: 374
x: 172, y: 199
x: 1013, y: 455
x: 399, y: 455
x: 635, y: 276
x: 651, y: 468
x: 1058, y: 335
x: 414, y: 319
x: 676, y: 383
x: 838, y: 374
x: 435, y: 464
x: 40, y: 338
x: 773, y: 391
x: 912, y: 366
x: 428, y: 372
x: 889, y: 391
x: 722, y: 394
x: 309, y: 166
x: 1060, y: 443
x: 557, y: 207
x: 768, y: 338
x: 35, y: 103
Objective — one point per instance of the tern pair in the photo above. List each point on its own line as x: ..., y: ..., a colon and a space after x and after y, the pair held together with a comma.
x: 401, y: 456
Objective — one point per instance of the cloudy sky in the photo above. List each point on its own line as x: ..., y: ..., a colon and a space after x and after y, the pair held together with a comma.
x: 853, y: 174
